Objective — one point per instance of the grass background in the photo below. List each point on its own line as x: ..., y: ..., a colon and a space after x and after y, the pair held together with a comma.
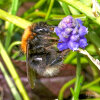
x: 52, y: 11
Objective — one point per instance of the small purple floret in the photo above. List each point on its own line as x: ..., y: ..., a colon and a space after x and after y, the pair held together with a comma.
x: 75, y: 37
x: 79, y: 21
x: 83, y: 42
x: 83, y: 30
x: 71, y: 34
x: 73, y: 45
x: 62, y: 46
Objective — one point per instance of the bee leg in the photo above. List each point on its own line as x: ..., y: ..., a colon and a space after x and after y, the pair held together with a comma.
x: 64, y: 53
x: 60, y: 57
x: 47, y: 37
x: 50, y: 38
x: 49, y: 47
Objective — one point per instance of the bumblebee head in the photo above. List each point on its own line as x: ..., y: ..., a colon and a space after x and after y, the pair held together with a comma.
x: 42, y: 27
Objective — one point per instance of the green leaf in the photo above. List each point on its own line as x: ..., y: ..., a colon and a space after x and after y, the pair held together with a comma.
x: 22, y: 23
x: 10, y: 83
x: 64, y: 87
x: 49, y: 9
x: 65, y: 8
x: 13, y: 72
x: 83, y: 8
x: 9, y: 33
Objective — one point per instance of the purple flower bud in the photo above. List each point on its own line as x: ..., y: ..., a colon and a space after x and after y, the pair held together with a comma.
x: 83, y: 30
x: 62, y: 46
x: 73, y: 45
x: 75, y: 37
x: 75, y: 30
x: 62, y: 25
x: 68, y: 30
x: 68, y: 19
x: 71, y: 25
x: 64, y: 34
x: 63, y: 39
x: 79, y: 21
x: 83, y: 42
x: 57, y: 30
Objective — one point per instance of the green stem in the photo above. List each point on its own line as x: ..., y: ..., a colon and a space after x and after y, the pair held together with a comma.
x: 39, y: 13
x: 10, y: 83
x: 22, y: 23
x: 14, y: 7
x: 83, y: 8
x: 77, y: 83
x: 37, y: 5
x: 13, y: 72
x: 70, y: 57
x: 53, y: 16
x: 49, y: 10
x: 12, y: 45
x: 94, y: 38
x: 65, y: 86
x: 92, y: 99
x: 73, y: 11
x: 13, y: 11
x: 90, y: 84
x: 95, y: 88
x: 65, y: 8
x: 9, y: 35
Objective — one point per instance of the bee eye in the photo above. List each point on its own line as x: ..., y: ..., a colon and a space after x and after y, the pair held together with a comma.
x: 41, y: 30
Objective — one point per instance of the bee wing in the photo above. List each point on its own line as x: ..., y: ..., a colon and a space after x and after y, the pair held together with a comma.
x: 30, y: 71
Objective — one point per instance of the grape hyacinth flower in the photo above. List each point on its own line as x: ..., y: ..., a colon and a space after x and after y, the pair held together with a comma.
x: 71, y: 33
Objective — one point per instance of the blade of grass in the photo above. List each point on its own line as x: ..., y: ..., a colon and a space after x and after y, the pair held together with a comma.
x: 39, y: 13
x: 92, y: 99
x: 12, y: 45
x: 10, y: 83
x: 74, y: 11
x: 70, y: 57
x: 22, y: 23
x: 83, y: 60
x: 16, y: 55
x: 78, y: 89
x: 90, y: 84
x: 37, y: 5
x: 95, y: 39
x: 64, y: 87
x: 9, y: 34
x: 87, y: 2
x: 53, y: 16
x: 83, y: 8
x: 78, y: 79
x: 95, y: 88
x: 72, y: 91
x: 13, y: 73
x: 14, y: 7
x: 65, y: 8
x: 49, y: 10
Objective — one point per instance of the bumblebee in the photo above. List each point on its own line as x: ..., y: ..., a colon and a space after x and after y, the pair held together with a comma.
x: 42, y: 56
